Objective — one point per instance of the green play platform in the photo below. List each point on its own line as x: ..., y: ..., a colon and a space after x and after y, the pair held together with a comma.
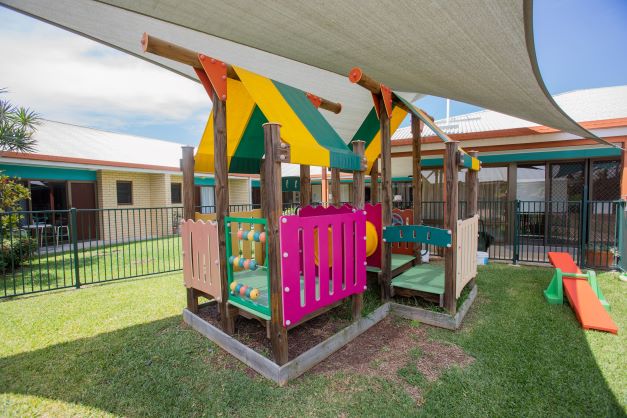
x: 398, y: 261
x: 428, y: 278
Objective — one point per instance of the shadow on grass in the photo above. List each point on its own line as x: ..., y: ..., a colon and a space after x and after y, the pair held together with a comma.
x: 532, y: 358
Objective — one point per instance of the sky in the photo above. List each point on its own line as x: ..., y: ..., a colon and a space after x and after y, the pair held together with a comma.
x: 580, y: 44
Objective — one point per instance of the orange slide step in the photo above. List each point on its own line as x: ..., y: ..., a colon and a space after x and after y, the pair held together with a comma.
x: 590, y: 313
x: 584, y: 302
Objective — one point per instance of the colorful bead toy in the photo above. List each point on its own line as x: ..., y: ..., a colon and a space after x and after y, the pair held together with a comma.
x: 244, y: 290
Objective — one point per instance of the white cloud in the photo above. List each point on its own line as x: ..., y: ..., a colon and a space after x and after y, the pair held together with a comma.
x: 73, y: 79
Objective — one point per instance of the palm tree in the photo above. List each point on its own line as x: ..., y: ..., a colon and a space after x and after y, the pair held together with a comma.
x: 17, y: 125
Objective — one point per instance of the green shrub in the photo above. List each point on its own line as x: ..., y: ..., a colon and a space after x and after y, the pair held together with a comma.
x: 16, y: 250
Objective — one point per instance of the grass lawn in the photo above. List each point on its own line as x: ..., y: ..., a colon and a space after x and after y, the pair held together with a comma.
x: 121, y: 349
x: 52, y: 269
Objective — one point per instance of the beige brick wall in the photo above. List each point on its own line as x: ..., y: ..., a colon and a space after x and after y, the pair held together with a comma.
x: 147, y: 217
x: 239, y: 192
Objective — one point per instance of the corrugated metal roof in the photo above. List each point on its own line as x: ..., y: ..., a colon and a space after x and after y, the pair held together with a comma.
x: 66, y: 140
x: 581, y: 105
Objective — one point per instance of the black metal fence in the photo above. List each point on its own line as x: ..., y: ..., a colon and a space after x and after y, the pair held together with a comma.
x: 593, y: 232
x: 47, y: 250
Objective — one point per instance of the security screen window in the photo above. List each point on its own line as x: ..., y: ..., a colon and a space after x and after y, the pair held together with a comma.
x: 124, y: 192
x: 175, y: 193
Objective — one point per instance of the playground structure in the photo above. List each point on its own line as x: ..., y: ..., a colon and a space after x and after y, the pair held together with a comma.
x: 583, y: 293
x: 285, y: 270
x: 266, y: 266
x: 400, y: 271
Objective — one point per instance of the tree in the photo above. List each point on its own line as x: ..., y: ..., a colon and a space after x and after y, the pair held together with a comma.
x: 17, y: 126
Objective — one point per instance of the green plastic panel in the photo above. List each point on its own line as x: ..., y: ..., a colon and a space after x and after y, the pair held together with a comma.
x: 417, y: 233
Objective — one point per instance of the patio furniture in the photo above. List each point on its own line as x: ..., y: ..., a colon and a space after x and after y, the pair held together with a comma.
x: 39, y: 229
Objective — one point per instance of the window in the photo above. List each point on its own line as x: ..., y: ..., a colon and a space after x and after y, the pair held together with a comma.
x: 176, y: 193
x: 567, y: 181
x: 124, y: 192
x: 605, y: 181
x: 530, y: 182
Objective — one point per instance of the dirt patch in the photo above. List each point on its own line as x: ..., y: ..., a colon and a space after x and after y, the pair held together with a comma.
x: 394, y: 349
x: 253, y: 333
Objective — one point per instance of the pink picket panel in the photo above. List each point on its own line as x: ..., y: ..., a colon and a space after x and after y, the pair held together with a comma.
x: 322, y: 285
x: 201, y: 258
x: 374, y: 216
x: 321, y: 210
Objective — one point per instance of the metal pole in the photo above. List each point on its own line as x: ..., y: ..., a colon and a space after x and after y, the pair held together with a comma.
x: 515, y: 255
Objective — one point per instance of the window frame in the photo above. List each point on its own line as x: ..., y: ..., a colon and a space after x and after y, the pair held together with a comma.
x: 180, y: 193
x: 117, y: 192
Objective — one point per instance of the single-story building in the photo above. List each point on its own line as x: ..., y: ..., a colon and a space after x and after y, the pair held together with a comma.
x: 520, y: 160
x: 86, y: 168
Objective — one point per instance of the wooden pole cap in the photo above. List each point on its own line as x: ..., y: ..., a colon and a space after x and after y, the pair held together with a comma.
x: 355, y: 75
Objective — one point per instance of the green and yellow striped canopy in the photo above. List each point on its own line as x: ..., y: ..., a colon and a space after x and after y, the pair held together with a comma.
x: 255, y: 100
x: 370, y: 129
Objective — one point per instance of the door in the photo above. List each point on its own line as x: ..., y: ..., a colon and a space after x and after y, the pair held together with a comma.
x: 84, y: 197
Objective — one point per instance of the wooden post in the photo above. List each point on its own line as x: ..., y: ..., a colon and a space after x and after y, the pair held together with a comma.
x: 325, y: 187
x: 335, y: 187
x: 386, y: 201
x: 187, y: 166
x: 416, y: 180
x: 359, y: 198
x: 472, y: 189
x: 272, y: 211
x: 305, y: 186
x: 374, y: 182
x: 451, y: 202
x: 227, y: 318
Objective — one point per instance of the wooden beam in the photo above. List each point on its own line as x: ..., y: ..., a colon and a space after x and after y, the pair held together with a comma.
x: 324, y: 186
x: 374, y: 182
x: 165, y: 49
x: 386, y: 201
x: 187, y: 166
x: 416, y: 180
x: 359, y: 198
x: 335, y: 187
x: 305, y: 186
x: 472, y: 189
x: 357, y: 76
x: 227, y: 320
x: 272, y: 212
x: 451, y: 202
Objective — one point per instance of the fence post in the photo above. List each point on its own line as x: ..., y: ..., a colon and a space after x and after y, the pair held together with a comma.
x: 583, y: 229
x: 515, y: 255
x: 74, y: 235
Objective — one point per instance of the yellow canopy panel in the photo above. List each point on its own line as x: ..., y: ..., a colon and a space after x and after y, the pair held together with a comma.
x: 255, y: 100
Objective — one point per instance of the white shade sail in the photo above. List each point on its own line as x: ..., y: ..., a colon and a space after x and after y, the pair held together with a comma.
x: 476, y: 51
